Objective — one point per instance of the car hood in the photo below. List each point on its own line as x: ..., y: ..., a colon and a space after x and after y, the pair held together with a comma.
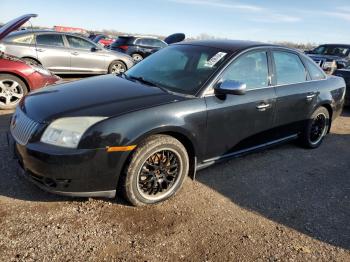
x: 14, y: 25
x: 327, y: 57
x: 104, y: 96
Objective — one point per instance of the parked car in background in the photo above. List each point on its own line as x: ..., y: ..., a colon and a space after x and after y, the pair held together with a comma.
x: 65, y: 53
x: 331, y: 56
x: 18, y: 77
x: 139, y: 47
x: 345, y: 73
x: 183, y: 108
x: 103, y: 40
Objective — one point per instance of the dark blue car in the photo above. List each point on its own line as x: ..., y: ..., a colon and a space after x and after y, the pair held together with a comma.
x: 331, y: 56
x: 139, y: 47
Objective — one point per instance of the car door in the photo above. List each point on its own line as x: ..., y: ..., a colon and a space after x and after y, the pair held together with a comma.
x: 240, y: 122
x: 296, y: 94
x: 52, y: 52
x: 86, y: 57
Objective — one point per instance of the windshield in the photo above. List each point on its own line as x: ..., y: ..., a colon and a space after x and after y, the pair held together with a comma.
x: 332, y: 50
x: 180, y: 68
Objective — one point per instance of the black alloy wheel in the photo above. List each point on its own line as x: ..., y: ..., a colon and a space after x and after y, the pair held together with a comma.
x: 157, y: 169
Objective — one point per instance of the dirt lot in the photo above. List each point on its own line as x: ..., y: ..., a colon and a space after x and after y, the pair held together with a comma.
x: 284, y: 204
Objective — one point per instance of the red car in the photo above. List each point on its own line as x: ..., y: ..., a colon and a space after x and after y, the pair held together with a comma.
x: 18, y: 77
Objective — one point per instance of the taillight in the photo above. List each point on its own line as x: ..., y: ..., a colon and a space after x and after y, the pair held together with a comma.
x: 124, y: 47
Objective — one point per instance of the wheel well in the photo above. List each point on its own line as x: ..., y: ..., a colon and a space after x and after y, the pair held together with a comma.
x: 187, y: 144
x: 20, y: 77
x: 330, y: 111
x: 32, y: 59
x: 190, y: 150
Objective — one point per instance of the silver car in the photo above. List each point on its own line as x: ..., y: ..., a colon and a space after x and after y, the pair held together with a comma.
x: 64, y: 53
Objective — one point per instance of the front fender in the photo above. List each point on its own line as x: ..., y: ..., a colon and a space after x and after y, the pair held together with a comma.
x: 187, y: 118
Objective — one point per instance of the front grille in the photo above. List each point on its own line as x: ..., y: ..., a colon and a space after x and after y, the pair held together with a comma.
x: 22, y: 127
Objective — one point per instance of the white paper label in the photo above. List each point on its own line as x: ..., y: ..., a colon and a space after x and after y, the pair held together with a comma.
x: 215, y: 59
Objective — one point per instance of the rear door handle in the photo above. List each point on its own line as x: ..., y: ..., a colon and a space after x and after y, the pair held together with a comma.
x: 40, y: 50
x: 75, y: 53
x: 263, y: 106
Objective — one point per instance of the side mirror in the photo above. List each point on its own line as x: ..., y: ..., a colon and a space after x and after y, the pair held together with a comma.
x: 230, y: 87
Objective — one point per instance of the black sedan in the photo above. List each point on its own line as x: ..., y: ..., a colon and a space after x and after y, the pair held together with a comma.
x: 345, y: 73
x: 184, y: 108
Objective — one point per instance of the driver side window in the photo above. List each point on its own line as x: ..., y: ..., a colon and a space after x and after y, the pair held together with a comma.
x: 250, y: 69
x: 77, y: 42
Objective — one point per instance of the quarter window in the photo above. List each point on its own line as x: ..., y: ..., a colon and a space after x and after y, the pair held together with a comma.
x: 250, y: 69
x: 50, y: 40
x: 315, y: 71
x: 289, y: 68
x: 21, y: 39
x: 77, y: 42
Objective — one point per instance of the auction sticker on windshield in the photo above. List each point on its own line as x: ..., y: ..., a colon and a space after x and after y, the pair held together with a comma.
x: 215, y: 59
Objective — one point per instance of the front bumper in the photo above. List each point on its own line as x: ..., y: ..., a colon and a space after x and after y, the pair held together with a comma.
x: 78, y: 173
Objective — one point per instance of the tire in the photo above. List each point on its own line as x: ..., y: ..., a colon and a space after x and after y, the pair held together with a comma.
x: 315, y: 129
x: 155, y: 161
x: 117, y: 67
x: 137, y: 57
x: 12, y: 89
x: 31, y: 61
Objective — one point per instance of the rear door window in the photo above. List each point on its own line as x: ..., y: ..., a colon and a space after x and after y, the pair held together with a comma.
x: 50, y: 40
x: 289, y: 68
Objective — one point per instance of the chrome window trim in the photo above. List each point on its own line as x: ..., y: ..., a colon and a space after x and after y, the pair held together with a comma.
x: 209, y: 90
x: 272, y: 86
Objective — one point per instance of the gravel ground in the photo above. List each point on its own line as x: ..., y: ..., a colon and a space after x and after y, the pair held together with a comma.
x: 283, y: 204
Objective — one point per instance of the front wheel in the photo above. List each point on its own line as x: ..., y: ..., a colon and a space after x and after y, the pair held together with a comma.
x: 12, y: 89
x: 117, y: 67
x: 156, y: 172
x: 316, y: 128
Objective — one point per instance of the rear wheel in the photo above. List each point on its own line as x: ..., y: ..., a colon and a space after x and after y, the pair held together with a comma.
x: 316, y: 128
x: 12, y: 89
x: 156, y: 172
x: 117, y: 67
x: 137, y: 57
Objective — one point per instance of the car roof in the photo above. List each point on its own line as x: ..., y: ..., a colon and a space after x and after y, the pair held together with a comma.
x: 230, y: 45
x: 40, y: 31
x: 138, y: 36
x: 341, y: 45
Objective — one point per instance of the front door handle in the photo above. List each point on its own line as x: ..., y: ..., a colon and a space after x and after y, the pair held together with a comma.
x: 310, y: 97
x: 263, y: 106
x: 75, y: 53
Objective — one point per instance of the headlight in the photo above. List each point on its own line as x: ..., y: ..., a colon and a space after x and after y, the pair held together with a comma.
x: 67, y: 132
x: 41, y: 70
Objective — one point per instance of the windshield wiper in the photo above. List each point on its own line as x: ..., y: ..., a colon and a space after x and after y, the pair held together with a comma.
x: 144, y: 81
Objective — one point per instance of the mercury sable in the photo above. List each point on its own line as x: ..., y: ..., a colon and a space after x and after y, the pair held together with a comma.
x: 184, y: 108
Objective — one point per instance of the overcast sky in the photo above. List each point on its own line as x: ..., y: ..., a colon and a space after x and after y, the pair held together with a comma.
x: 265, y: 20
